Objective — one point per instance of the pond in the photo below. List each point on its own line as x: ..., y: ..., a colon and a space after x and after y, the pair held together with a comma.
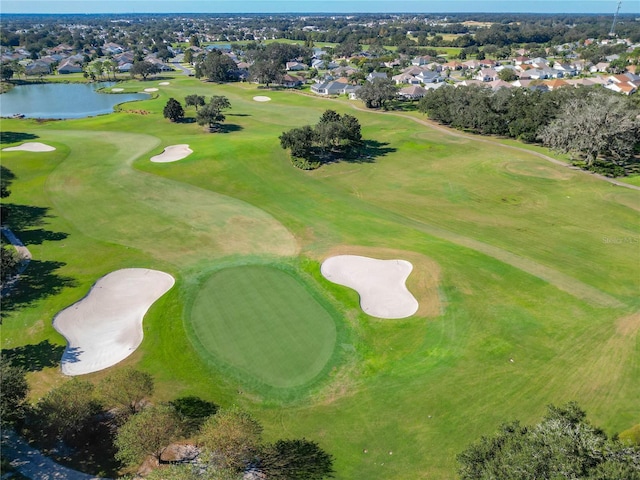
x: 62, y: 100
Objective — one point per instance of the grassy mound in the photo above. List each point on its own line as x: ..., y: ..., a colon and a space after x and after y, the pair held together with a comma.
x: 264, y: 324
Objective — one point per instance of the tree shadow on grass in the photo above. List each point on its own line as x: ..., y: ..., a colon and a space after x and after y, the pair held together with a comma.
x: 22, y: 217
x: 37, y: 236
x: 14, y: 137
x: 37, y: 282
x: 367, y: 152
x: 34, y: 358
x: 228, y: 128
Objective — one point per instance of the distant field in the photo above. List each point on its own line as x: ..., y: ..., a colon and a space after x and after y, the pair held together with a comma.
x: 536, y: 263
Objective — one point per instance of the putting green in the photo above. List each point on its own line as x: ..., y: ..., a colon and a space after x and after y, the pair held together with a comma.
x: 264, y: 324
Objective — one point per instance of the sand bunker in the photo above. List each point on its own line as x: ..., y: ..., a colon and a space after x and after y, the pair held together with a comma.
x: 164, y: 83
x: 380, y: 283
x: 117, y: 89
x: 172, y: 154
x: 152, y: 89
x: 261, y: 98
x: 105, y: 327
x: 30, y: 147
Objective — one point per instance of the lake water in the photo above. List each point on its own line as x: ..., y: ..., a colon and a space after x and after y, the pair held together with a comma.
x: 62, y: 100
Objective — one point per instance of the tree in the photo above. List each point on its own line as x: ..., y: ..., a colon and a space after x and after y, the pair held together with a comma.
x: 194, y: 41
x: 173, y: 110
x: 266, y: 71
x: 600, y: 124
x: 298, y: 459
x: 125, y: 389
x: 66, y: 409
x: 507, y: 75
x: 211, y: 114
x: 13, y: 393
x: 144, y: 69
x: 299, y: 140
x: 217, y: 67
x: 147, y: 433
x: 192, y: 472
x: 563, y: 445
x: 378, y: 93
x: 188, y: 56
x: 6, y: 71
x: 111, y: 67
x: 194, y: 100
x: 232, y: 438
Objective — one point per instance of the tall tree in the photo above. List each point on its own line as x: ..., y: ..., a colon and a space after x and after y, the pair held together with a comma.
x: 266, y: 71
x: 66, y: 409
x: 13, y: 393
x: 600, y: 124
x: 232, y: 437
x: 378, y: 93
x: 211, y: 114
x: 563, y: 445
x: 143, y: 68
x: 126, y: 389
x: 146, y: 433
x: 217, y: 67
x: 194, y: 100
x: 173, y: 110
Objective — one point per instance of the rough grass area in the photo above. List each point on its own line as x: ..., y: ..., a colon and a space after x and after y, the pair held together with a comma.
x: 264, y: 324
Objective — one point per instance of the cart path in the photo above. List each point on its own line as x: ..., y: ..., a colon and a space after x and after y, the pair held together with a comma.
x: 31, y: 463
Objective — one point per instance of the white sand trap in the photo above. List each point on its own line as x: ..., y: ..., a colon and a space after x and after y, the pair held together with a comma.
x: 105, y: 327
x: 30, y: 147
x: 380, y: 283
x: 164, y: 83
x: 261, y: 98
x: 172, y: 154
x: 117, y: 89
x: 152, y: 89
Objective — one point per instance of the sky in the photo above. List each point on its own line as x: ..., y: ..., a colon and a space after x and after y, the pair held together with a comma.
x: 317, y: 6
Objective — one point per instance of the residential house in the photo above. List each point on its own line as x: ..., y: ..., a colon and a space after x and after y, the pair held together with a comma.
x: 295, y: 66
x: 112, y: 48
x: 428, y: 77
x: 413, y: 92
x: 38, y: 67
x: 498, y: 84
x: 329, y: 87
x: 599, y: 67
x: 69, y: 65
x: 405, y: 78
x: 421, y: 60
x: 290, y: 81
x: 487, y: 75
x: 555, y: 83
x: 373, y: 75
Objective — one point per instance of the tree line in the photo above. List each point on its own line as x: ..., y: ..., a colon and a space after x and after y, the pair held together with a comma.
x: 598, y: 128
x: 227, y: 441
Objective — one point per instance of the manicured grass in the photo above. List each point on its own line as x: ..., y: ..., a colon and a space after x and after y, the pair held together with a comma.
x: 538, y: 263
x: 263, y: 323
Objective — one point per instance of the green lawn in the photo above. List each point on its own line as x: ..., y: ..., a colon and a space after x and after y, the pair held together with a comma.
x: 263, y: 323
x: 536, y: 262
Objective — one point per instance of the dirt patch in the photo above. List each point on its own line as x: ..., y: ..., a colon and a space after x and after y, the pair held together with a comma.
x: 540, y: 170
x: 423, y: 281
x: 629, y: 325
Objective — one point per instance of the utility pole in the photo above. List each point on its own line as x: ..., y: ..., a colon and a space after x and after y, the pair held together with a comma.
x: 612, y: 33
